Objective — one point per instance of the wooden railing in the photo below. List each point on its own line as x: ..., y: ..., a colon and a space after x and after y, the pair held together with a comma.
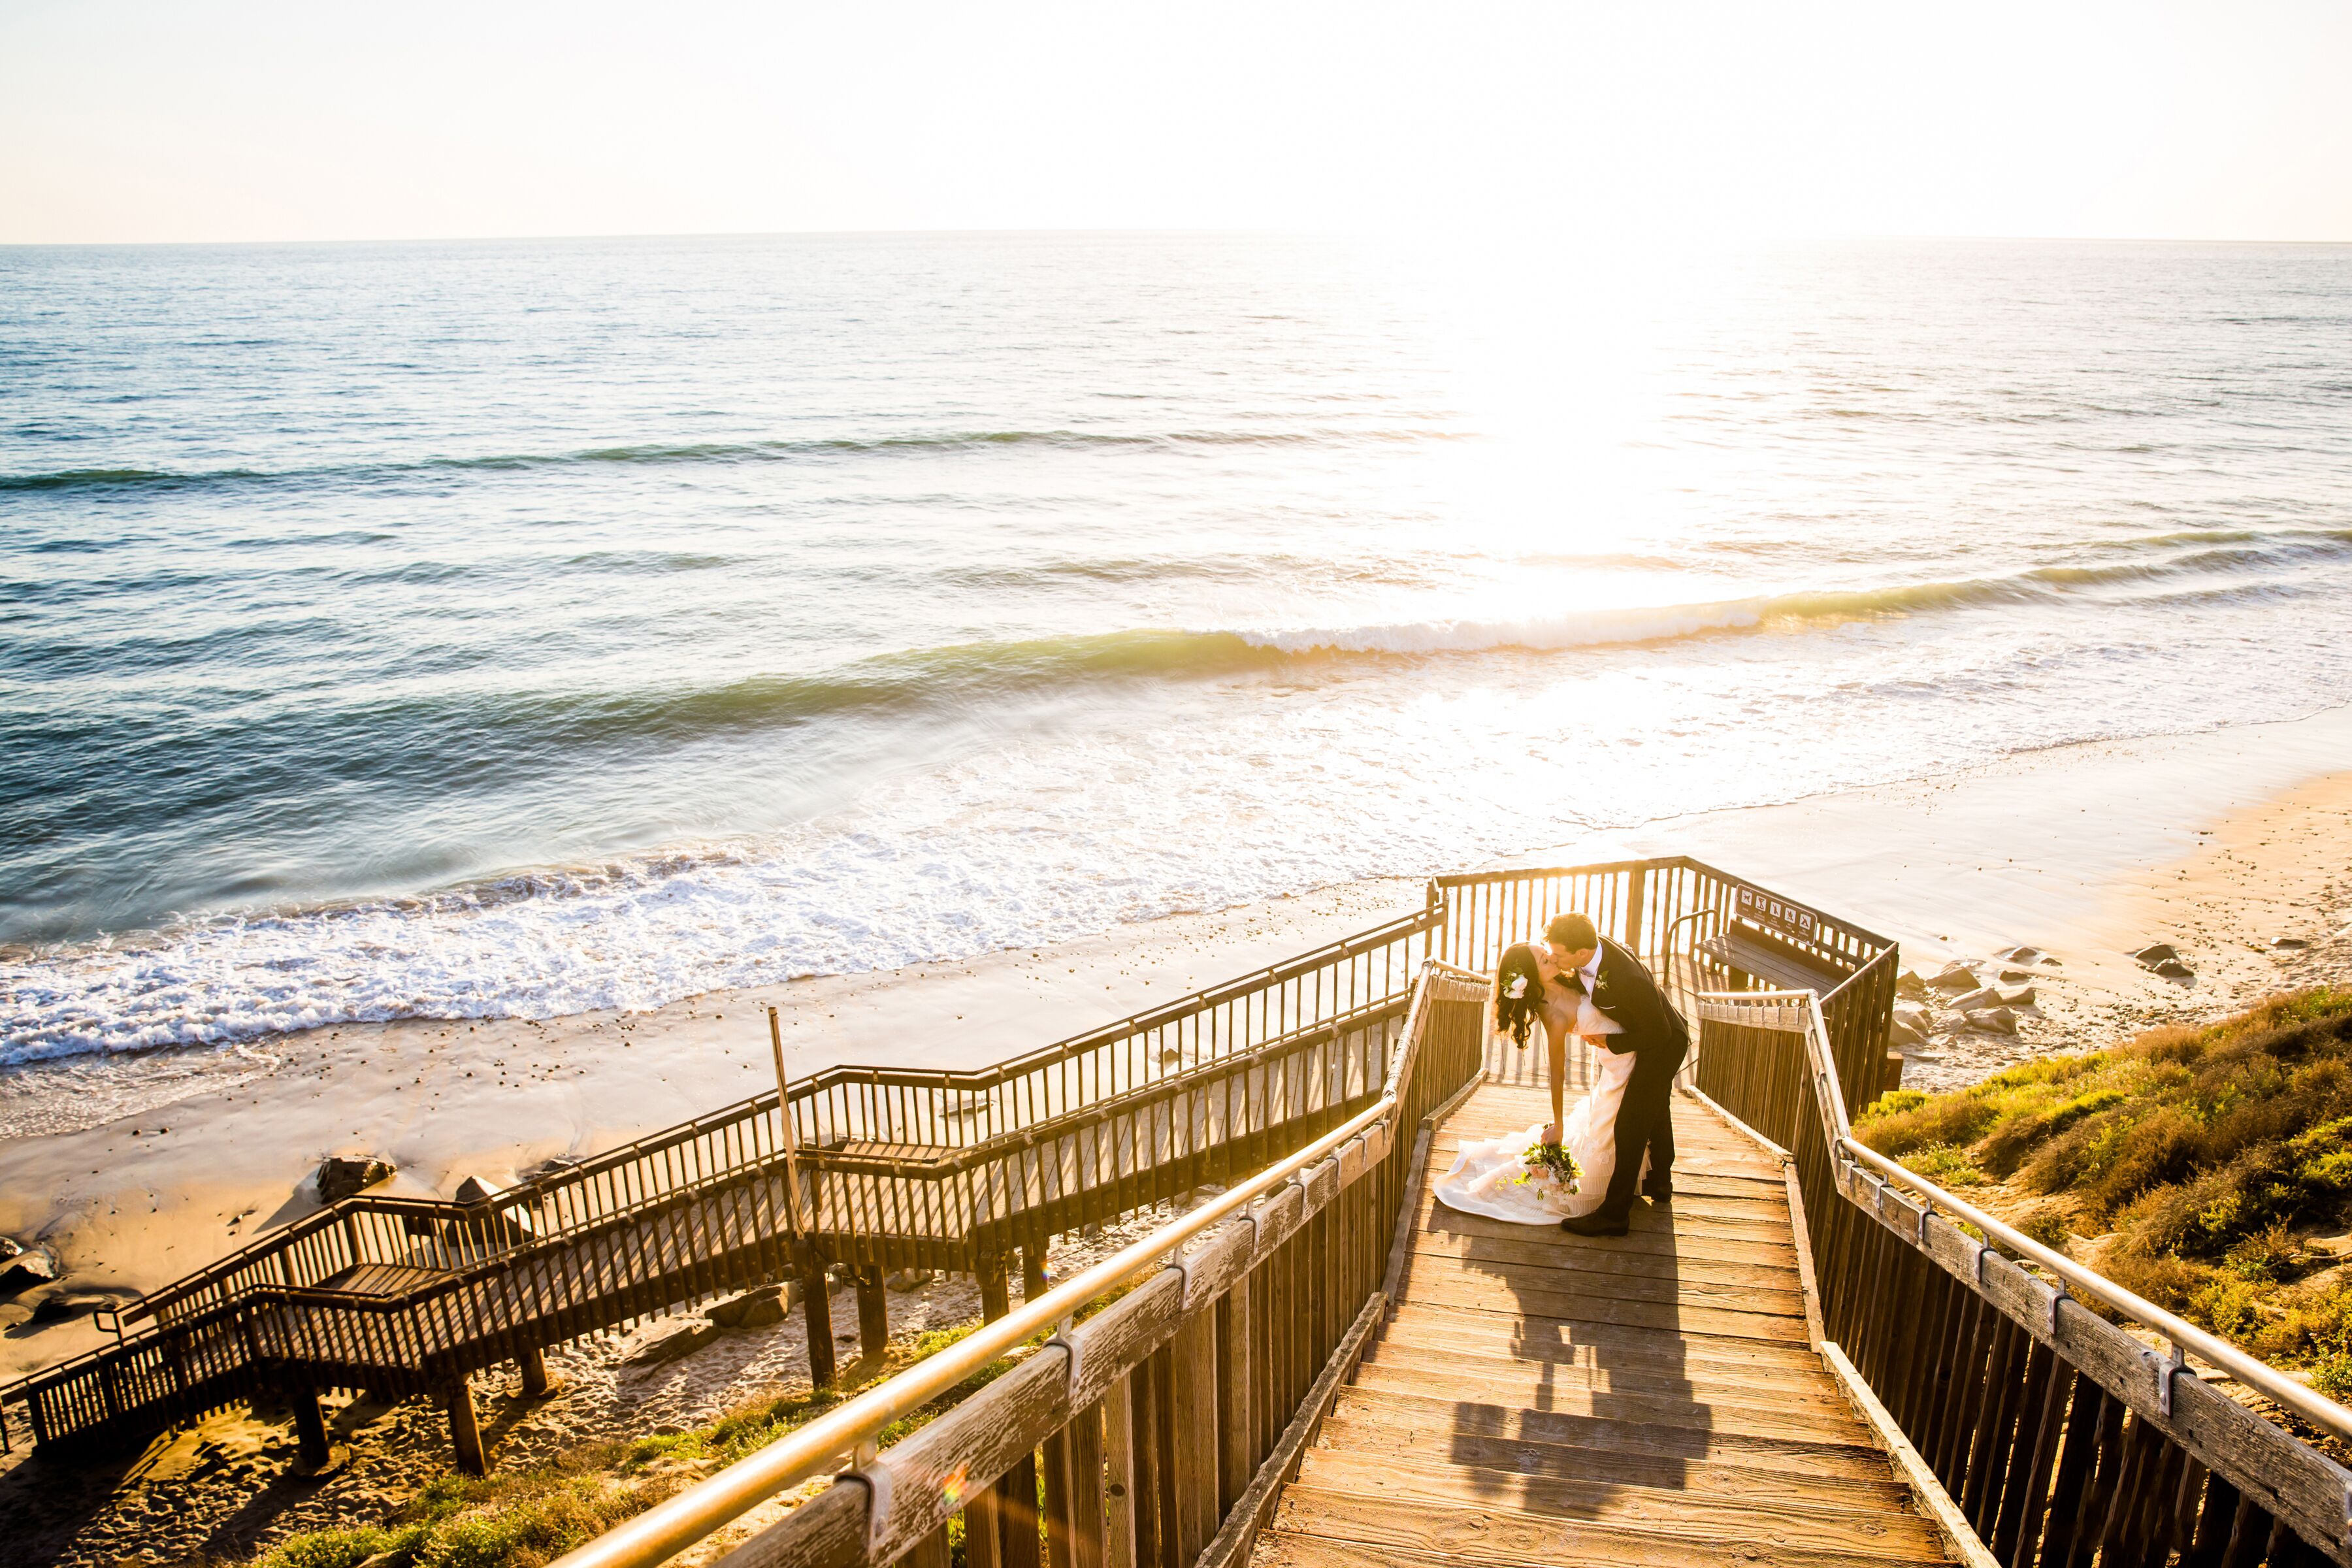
x: 1693, y: 926
x: 1156, y: 1431
x: 874, y: 1168
x: 1679, y: 915
x: 404, y: 1295
x: 851, y: 1119
x: 2048, y: 1416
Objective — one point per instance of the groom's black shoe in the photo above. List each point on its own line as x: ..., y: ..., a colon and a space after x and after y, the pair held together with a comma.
x: 1595, y: 1225
x: 1658, y: 1191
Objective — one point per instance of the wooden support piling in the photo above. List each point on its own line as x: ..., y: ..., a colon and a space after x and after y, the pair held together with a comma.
x: 873, y: 1313
x: 816, y: 1310
x: 536, y: 1383
x: 311, y: 1448
x: 465, y: 1429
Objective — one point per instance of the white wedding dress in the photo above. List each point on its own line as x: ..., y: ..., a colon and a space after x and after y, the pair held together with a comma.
x: 1491, y: 1177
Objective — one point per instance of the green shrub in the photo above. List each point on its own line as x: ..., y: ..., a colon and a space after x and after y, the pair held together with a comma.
x: 2227, y: 1305
x: 2324, y: 1157
x: 335, y: 1548
x: 1894, y: 1103
x: 2207, y: 1149
x: 2046, y: 1222
x: 2263, y: 1257
x: 2167, y: 1282
x: 1945, y: 1118
x: 2007, y: 1146
x: 531, y: 1531
x: 2331, y: 1375
x: 1944, y: 1165
x: 2310, y: 1325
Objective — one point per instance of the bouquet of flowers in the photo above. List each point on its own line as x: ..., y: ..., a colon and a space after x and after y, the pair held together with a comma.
x: 1554, y: 1159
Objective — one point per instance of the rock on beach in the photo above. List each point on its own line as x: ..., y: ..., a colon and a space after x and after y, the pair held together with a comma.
x: 1955, y: 977
x: 25, y: 1267
x: 342, y: 1176
x: 754, y: 1309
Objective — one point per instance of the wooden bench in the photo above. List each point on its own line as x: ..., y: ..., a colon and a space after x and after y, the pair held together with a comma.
x: 1774, y: 964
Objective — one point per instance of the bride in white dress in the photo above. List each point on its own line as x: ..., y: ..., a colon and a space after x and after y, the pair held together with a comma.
x: 1493, y: 1177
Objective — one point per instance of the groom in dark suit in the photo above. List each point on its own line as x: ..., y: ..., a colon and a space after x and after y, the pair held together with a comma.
x: 1627, y: 994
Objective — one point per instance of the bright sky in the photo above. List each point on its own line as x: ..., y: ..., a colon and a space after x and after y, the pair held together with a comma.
x: 157, y: 119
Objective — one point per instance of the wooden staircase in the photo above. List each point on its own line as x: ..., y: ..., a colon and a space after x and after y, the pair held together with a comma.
x: 1538, y: 1397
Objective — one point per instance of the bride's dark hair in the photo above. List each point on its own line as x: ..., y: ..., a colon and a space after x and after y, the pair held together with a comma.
x: 1515, y: 1016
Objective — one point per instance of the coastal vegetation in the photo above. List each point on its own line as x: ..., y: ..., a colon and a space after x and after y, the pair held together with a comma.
x: 2208, y: 1168
x: 529, y: 1516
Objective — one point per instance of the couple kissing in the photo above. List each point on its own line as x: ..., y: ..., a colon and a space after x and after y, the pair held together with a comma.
x: 1582, y: 1168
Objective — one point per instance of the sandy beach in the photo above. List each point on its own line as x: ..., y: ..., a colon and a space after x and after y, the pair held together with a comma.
x: 2222, y: 844
x: 2235, y: 847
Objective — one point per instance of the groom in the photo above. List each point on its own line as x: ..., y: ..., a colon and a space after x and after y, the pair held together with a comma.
x: 1625, y: 992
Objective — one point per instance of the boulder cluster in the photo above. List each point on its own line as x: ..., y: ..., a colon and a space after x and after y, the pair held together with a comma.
x: 1985, y: 996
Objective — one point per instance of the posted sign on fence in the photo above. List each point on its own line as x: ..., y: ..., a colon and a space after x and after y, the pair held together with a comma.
x: 1760, y: 908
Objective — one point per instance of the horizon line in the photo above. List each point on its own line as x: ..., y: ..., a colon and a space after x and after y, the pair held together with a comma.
x: 1138, y: 231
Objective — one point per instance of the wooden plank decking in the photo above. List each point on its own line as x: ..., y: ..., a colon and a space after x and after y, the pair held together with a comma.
x: 1538, y: 1398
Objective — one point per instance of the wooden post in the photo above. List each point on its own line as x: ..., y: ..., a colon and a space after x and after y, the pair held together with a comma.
x: 1083, y: 1464
x: 1017, y: 1491
x: 986, y: 1525
x: 1236, y: 1428
x: 536, y: 1383
x: 1055, y: 1482
x: 1192, y: 1435
x: 873, y: 1313
x: 1118, y: 1473
x: 816, y: 1311
x: 1055, y: 1450
x: 1148, y: 1389
x: 1033, y: 1271
x: 311, y: 1448
x: 995, y: 1293
x: 790, y: 1135
x: 465, y: 1432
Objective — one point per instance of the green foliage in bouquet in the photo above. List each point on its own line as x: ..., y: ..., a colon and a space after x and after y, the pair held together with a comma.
x: 1554, y: 1158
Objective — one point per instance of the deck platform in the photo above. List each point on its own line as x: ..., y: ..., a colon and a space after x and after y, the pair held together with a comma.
x: 1537, y: 1397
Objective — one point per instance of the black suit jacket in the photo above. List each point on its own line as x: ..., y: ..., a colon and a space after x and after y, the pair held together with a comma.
x: 1626, y: 993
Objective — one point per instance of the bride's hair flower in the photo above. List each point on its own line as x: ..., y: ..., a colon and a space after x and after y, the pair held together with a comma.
x: 1518, y: 993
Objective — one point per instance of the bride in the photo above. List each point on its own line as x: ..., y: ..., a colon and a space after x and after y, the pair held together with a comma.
x: 1493, y: 1178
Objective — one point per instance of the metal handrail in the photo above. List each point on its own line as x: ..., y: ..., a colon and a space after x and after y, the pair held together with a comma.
x: 2184, y: 1337
x: 671, y: 1526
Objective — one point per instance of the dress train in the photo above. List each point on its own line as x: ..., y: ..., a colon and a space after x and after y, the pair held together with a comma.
x: 1491, y: 1178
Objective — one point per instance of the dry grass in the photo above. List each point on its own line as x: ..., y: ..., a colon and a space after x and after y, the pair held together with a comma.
x: 2200, y: 1165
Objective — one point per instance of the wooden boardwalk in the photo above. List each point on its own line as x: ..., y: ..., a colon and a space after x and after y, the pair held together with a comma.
x: 1538, y: 1398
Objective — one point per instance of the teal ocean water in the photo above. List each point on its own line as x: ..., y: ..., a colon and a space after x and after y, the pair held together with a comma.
x: 526, y: 628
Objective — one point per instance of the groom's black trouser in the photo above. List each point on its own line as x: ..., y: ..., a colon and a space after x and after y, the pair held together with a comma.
x: 1644, y: 1124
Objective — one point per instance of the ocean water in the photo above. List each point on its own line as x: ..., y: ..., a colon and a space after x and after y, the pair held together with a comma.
x: 525, y: 628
